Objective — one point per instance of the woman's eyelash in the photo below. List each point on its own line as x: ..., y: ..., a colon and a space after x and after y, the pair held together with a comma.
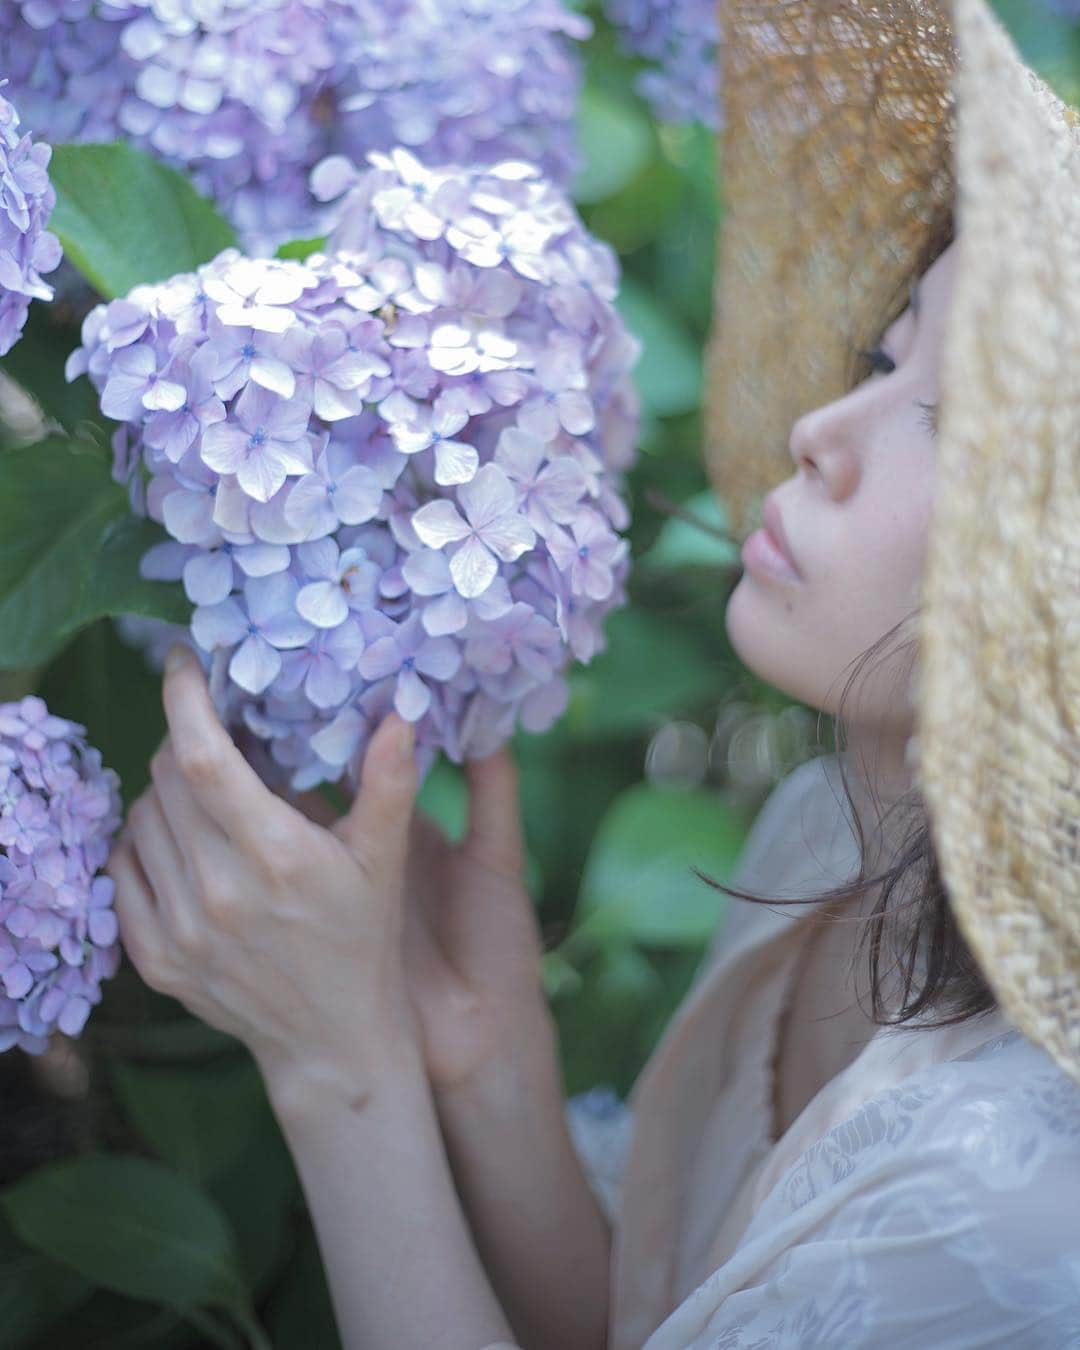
x: 879, y: 359
x: 930, y: 416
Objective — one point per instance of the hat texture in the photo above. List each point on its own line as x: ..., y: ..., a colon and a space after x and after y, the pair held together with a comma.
x: 849, y: 130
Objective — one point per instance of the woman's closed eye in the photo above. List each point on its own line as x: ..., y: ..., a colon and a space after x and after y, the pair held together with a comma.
x: 880, y: 360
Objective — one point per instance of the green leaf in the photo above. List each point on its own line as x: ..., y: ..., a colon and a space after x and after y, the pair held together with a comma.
x: 199, y: 1120
x: 669, y: 372
x: 681, y: 544
x: 650, y: 669
x: 638, y: 885
x: 35, y: 1292
x: 81, y: 683
x: 300, y: 1312
x: 124, y: 218
x: 69, y: 551
x: 616, y: 141
x: 130, y: 1225
x: 299, y: 249
x: 36, y: 362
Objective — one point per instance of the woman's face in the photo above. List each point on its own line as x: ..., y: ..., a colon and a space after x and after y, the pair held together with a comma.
x: 856, y: 514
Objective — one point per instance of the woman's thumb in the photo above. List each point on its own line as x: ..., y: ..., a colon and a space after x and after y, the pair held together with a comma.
x: 376, y: 826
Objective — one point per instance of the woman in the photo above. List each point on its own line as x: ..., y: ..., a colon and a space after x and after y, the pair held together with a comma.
x: 869, y: 1183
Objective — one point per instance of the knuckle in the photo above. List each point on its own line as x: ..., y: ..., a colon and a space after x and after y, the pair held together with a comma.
x: 198, y: 764
x: 219, y: 903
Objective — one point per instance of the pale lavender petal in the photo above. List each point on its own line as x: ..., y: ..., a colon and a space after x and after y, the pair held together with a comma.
x: 439, y: 522
x: 473, y: 568
x: 323, y: 603
x: 412, y: 697
x: 255, y: 664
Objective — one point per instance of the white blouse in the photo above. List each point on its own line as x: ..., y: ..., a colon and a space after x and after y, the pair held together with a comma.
x: 928, y: 1196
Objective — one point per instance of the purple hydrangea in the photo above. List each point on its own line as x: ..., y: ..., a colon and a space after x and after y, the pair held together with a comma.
x: 391, y: 474
x: 247, y: 95
x: 680, y: 38
x: 59, y: 810
x: 27, y: 248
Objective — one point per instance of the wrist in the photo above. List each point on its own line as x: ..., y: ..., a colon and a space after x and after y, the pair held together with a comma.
x: 302, y: 1086
x: 524, y: 1070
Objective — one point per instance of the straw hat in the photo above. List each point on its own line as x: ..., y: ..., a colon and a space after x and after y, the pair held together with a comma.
x: 849, y: 129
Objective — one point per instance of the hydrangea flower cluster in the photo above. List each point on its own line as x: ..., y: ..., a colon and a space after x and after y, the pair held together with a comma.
x: 27, y: 248
x: 681, y: 38
x: 59, y: 810
x: 391, y: 473
x: 248, y: 95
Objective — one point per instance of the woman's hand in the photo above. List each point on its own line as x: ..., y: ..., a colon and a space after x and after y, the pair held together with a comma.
x: 472, y: 940
x: 261, y: 922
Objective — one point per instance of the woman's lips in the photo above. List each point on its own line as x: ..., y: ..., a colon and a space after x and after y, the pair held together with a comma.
x: 766, y: 550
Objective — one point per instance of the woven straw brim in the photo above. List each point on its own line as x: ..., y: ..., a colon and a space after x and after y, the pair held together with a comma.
x: 948, y: 112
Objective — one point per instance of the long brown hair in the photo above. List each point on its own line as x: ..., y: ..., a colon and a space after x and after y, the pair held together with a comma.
x: 920, y: 930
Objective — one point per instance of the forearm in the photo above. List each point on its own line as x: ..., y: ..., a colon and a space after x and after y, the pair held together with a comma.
x: 399, y: 1257
x: 540, y: 1232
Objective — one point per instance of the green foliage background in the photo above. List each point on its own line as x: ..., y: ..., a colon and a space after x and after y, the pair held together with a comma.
x: 146, y: 1196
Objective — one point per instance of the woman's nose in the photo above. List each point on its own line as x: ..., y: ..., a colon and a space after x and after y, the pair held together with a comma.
x: 824, y: 441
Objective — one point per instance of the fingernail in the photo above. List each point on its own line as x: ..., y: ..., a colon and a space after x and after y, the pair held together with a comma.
x: 176, y: 656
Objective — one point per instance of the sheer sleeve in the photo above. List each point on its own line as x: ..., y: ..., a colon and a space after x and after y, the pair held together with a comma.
x: 933, y: 1217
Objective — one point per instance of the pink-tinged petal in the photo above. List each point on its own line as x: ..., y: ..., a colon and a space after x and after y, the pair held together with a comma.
x: 224, y: 446
x: 357, y: 496
x: 208, y: 577
x: 274, y: 375
x: 427, y: 572
x: 447, y: 614
x: 489, y: 495
x: 439, y: 522
x: 510, y: 536
x: 455, y: 462
x: 326, y: 684
x: 219, y: 625
x: 322, y: 603
x: 382, y: 658
x: 439, y: 658
x: 473, y: 568
x: 255, y: 664
x: 412, y: 697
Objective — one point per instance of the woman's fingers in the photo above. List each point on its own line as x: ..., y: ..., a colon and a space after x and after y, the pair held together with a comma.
x: 165, y: 869
x: 221, y: 780
x: 136, y: 913
x: 376, y: 826
x: 494, y: 836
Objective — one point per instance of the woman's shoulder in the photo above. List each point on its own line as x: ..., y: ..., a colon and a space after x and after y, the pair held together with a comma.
x: 1001, y: 1118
